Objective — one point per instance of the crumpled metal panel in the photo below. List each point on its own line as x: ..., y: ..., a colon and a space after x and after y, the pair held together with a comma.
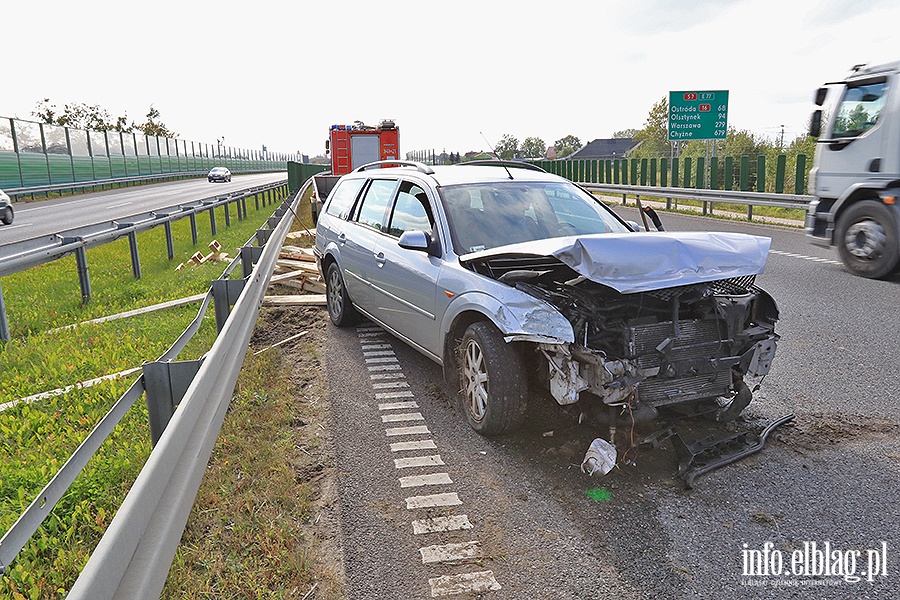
x: 641, y: 262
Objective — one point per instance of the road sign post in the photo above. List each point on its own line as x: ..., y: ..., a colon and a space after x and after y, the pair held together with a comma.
x: 698, y: 115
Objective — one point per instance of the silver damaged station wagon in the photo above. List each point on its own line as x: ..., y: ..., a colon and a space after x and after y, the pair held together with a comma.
x: 512, y: 278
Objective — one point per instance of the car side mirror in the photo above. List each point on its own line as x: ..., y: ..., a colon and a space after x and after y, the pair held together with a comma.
x: 420, y: 241
x: 634, y: 226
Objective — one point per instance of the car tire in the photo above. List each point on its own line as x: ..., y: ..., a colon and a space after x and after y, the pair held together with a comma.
x: 340, y: 308
x: 210, y: 179
x: 492, y: 378
x: 8, y: 216
x: 866, y: 238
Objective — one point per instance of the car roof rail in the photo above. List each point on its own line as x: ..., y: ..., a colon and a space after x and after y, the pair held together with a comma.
x: 420, y: 167
x: 504, y: 163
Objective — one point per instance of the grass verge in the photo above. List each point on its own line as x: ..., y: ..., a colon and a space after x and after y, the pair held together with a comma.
x: 36, y: 438
x: 263, y: 524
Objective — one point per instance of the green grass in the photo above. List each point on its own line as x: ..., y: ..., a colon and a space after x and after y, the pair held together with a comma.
x: 37, y: 438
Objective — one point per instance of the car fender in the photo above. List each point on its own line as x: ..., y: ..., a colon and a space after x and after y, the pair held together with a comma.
x: 518, y: 316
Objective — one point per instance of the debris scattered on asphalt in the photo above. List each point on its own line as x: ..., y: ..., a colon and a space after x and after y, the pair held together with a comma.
x: 601, y: 456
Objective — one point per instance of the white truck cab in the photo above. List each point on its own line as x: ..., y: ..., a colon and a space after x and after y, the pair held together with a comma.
x: 855, y: 177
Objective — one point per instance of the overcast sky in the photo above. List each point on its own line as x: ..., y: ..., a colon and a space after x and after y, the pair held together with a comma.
x: 280, y: 73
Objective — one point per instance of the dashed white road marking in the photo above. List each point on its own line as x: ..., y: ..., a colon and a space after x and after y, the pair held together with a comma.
x: 423, y: 480
x: 380, y: 376
x: 395, y: 431
x: 418, y: 445
x: 393, y: 367
x: 805, y: 257
x: 449, y: 585
x: 398, y: 405
x: 386, y: 395
x: 375, y: 361
x: 398, y: 417
x: 433, y: 501
x: 390, y: 384
x: 441, y: 524
x: 450, y: 552
x: 419, y: 461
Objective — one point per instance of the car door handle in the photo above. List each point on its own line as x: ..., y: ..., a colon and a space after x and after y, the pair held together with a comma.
x: 342, y: 238
x: 380, y: 259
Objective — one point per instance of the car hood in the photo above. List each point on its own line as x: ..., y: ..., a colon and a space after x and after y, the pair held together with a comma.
x: 645, y: 261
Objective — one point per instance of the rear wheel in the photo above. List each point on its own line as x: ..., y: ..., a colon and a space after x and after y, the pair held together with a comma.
x: 493, y: 380
x: 8, y: 216
x: 340, y: 309
x: 866, y: 238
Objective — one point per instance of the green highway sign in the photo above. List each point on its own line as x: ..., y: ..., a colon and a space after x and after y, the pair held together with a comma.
x: 698, y: 115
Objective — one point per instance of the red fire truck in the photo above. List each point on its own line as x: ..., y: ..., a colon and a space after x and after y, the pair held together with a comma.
x: 352, y: 146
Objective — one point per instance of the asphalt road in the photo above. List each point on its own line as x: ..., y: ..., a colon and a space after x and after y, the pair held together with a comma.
x: 46, y: 217
x: 542, y: 529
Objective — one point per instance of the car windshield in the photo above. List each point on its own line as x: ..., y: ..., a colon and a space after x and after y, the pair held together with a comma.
x: 489, y: 215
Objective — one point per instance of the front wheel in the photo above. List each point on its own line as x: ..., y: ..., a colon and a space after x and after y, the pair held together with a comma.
x: 493, y: 380
x: 8, y: 216
x: 866, y: 237
x: 340, y: 309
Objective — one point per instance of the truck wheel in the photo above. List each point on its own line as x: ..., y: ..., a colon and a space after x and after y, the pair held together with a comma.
x: 340, y: 309
x: 493, y: 380
x: 866, y: 238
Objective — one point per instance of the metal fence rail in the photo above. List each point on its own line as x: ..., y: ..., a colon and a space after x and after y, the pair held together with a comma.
x: 708, y: 197
x: 18, y: 192
x: 133, y: 557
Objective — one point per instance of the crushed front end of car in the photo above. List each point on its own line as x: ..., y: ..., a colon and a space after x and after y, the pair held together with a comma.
x: 659, y: 319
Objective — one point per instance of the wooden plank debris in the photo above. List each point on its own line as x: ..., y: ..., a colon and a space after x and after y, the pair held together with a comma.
x: 295, y: 300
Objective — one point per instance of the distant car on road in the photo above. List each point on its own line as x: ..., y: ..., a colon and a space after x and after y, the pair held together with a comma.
x: 218, y: 174
x: 509, y: 277
x: 6, y: 209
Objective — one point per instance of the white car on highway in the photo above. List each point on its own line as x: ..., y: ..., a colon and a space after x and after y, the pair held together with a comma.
x: 6, y: 209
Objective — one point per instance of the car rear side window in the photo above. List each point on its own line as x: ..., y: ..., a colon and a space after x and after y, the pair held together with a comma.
x: 341, y: 200
x: 376, y: 202
x: 411, y: 211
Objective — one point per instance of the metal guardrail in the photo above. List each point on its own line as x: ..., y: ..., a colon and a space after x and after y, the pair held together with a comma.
x: 751, y: 199
x: 15, y: 193
x: 135, y: 554
x: 19, y: 256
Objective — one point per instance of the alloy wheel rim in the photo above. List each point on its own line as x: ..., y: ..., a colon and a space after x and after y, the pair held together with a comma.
x: 335, y: 303
x: 476, y: 380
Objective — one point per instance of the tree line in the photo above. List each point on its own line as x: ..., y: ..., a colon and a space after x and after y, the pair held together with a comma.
x: 654, y: 143
x: 79, y: 115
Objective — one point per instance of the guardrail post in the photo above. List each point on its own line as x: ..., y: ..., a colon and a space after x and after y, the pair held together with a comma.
x: 4, y: 324
x: 164, y: 386
x: 225, y: 294
x: 227, y: 207
x: 84, y: 280
x: 249, y: 257
x: 262, y: 236
x: 170, y: 245
x: 256, y: 199
x: 135, y: 259
x: 193, y: 219
x: 212, y: 220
